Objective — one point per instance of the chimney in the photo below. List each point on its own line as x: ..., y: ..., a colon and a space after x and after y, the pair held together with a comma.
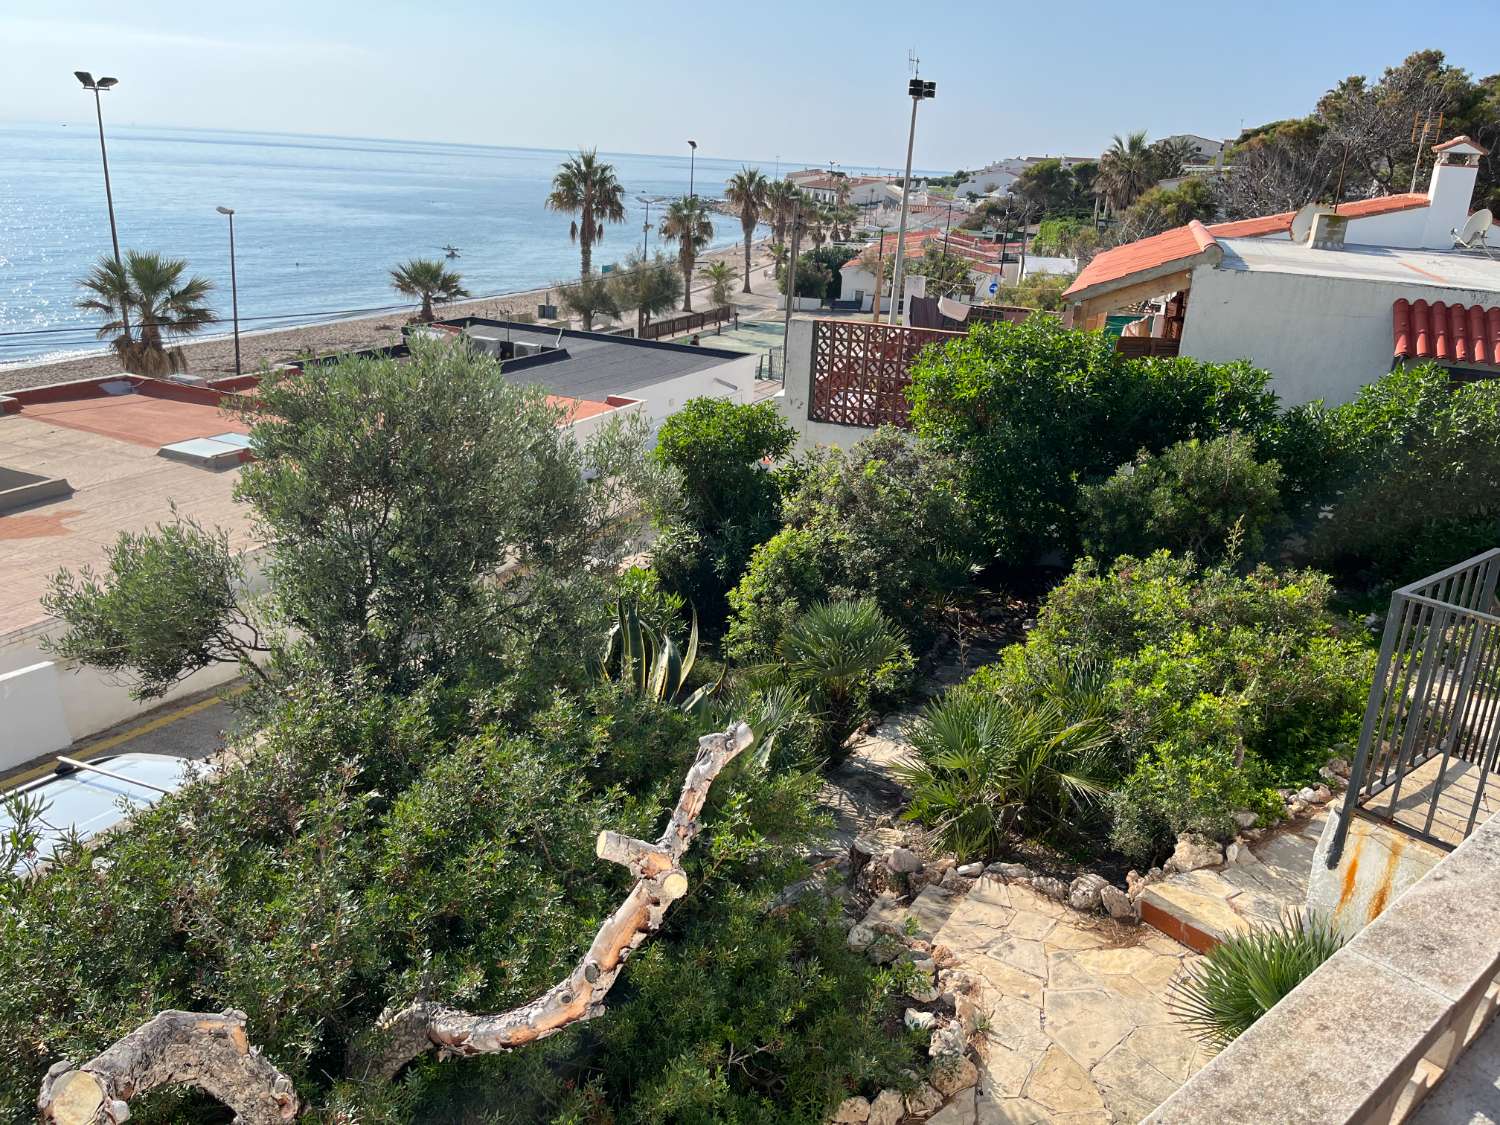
x: 1450, y: 192
x: 1328, y: 231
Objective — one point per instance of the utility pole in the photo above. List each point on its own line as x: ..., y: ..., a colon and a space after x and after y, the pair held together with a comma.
x: 791, y: 277
x: 234, y: 286
x: 917, y: 90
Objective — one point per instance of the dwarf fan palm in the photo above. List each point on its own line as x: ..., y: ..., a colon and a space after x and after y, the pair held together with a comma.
x: 163, y: 302
x: 427, y: 279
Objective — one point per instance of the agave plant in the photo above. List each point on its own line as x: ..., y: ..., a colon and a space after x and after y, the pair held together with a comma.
x: 1243, y: 977
x: 650, y: 664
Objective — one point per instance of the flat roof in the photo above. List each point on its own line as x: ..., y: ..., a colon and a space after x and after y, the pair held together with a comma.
x: 1451, y: 269
x: 137, y: 418
x: 597, y: 365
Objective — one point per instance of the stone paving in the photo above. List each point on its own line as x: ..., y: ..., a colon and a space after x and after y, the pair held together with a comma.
x: 1076, y: 1028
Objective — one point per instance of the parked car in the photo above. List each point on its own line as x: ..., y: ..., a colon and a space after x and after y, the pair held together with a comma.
x: 87, y: 798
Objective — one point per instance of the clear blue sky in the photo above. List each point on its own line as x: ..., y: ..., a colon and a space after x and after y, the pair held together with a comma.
x: 808, y: 81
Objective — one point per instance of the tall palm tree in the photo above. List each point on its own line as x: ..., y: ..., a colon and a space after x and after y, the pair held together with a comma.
x: 747, y: 190
x: 687, y: 224
x: 781, y: 198
x: 1126, y: 170
x: 586, y: 187
x: 426, y: 279
x: 163, y: 302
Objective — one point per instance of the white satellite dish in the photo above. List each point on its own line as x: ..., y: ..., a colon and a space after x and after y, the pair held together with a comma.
x: 1474, y: 230
x: 1302, y: 221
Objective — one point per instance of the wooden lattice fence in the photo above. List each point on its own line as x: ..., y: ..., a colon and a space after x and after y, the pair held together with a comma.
x: 860, y: 371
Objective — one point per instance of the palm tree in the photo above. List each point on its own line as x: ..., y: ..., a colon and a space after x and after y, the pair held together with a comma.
x: 1126, y: 170
x: 163, y: 303
x: 687, y: 224
x: 781, y: 198
x: 721, y: 276
x: 586, y: 187
x: 427, y: 278
x: 747, y: 190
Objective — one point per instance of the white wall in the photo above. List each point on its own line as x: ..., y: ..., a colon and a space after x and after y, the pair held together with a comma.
x: 1319, y: 337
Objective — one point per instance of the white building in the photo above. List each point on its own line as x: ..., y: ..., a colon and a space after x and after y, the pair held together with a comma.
x: 1326, y: 300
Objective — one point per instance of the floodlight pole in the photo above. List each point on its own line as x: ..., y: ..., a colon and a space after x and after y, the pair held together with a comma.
x: 918, y: 90
x: 234, y: 287
x: 692, y: 163
x: 88, y: 82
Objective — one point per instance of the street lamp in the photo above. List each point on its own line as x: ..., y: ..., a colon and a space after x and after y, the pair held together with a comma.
x: 646, y: 226
x: 692, y: 160
x: 918, y: 91
x: 98, y: 88
x: 234, y: 286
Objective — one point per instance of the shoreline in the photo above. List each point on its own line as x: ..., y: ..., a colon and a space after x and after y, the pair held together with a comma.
x: 214, y: 355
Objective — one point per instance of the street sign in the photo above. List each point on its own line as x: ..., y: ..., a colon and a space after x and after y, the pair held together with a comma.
x: 994, y: 287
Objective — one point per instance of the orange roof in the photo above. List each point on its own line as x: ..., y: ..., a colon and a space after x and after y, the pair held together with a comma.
x: 1464, y: 334
x: 1462, y: 139
x: 1182, y: 243
x: 575, y: 408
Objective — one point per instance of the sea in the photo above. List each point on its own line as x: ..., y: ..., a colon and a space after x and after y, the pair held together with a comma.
x: 319, y: 221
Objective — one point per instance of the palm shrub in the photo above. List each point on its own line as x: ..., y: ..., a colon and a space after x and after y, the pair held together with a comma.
x: 721, y: 277
x: 1245, y: 976
x: 845, y: 655
x: 988, y: 769
x: 160, y: 302
x: 1204, y: 498
x: 427, y: 279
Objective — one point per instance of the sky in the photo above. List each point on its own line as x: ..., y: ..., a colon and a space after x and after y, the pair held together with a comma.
x: 812, y: 82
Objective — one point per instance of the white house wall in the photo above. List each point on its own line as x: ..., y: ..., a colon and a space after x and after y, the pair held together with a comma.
x: 1320, y: 337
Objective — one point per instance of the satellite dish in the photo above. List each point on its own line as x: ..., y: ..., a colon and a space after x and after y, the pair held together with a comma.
x: 1302, y: 221
x: 1474, y: 230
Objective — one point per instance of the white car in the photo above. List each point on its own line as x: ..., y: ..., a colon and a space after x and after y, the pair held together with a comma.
x: 87, y: 798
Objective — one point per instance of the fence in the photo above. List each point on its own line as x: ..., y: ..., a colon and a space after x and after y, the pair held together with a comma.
x: 1429, y: 740
x: 1143, y: 347
x: 687, y: 322
x: 860, y: 371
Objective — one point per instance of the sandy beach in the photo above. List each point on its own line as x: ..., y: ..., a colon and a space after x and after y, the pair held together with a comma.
x: 215, y: 355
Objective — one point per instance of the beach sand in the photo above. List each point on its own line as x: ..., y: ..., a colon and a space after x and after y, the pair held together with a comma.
x: 215, y: 356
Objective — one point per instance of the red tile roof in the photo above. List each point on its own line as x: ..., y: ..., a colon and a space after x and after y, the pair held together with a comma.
x: 1460, y: 333
x: 1181, y: 243
x: 1462, y: 139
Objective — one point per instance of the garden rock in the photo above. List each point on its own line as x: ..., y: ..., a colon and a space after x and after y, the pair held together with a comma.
x: 923, y: 1100
x: 953, y: 881
x: 1296, y: 807
x: 918, y: 1020
x: 1014, y: 872
x: 1193, y: 853
x: 1322, y: 795
x: 1117, y: 902
x: 860, y: 937
x: 950, y: 1077
x: 1246, y: 819
x: 1085, y: 890
x: 852, y: 1111
x: 903, y: 861
x: 948, y: 1040
x: 1339, y: 767
x: 887, y: 1108
x: 883, y: 950
x: 970, y: 870
x: 1053, y: 888
x: 925, y: 993
x: 1307, y: 794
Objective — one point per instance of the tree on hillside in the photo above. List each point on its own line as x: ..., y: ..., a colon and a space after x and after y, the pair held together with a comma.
x: 586, y: 188
x: 947, y: 274
x: 1162, y: 209
x: 161, y: 302
x: 1126, y: 170
x: 650, y: 286
x: 382, y: 531
x: 747, y: 192
x: 427, y: 279
x: 687, y: 224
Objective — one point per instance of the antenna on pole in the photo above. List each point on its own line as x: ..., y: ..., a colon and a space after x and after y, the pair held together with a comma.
x: 914, y: 63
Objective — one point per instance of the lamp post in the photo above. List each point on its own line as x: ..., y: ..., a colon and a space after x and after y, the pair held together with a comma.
x: 692, y: 161
x: 646, y: 226
x: 918, y: 91
x: 234, y: 286
x: 98, y: 88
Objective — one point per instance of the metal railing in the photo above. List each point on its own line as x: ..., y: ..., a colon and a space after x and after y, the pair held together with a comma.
x: 1432, y: 724
x: 860, y: 371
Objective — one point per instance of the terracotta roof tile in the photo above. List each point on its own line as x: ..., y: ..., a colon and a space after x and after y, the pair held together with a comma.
x: 1463, y: 139
x: 1457, y: 333
x: 1177, y: 244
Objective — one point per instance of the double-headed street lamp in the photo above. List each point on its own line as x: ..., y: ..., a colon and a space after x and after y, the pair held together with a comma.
x: 234, y: 286
x: 646, y: 226
x: 918, y: 91
x: 98, y: 88
x: 692, y: 160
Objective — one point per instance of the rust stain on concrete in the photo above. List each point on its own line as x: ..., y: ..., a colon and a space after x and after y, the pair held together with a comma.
x: 1351, y: 873
x: 36, y: 525
x: 1382, y: 896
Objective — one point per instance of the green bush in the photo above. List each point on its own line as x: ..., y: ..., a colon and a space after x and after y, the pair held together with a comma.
x: 1245, y: 976
x: 886, y: 518
x: 725, y: 502
x: 1203, y: 498
x: 1036, y: 410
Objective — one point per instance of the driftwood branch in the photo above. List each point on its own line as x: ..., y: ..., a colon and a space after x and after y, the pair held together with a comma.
x: 660, y: 881
x: 198, y: 1049
x: 212, y: 1053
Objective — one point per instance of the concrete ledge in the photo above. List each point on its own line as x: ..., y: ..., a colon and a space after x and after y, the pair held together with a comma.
x: 1365, y: 1036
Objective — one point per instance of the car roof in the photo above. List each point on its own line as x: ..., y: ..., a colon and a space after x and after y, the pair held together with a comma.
x: 88, y: 802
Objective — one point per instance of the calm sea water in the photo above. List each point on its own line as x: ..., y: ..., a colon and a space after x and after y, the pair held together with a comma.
x: 319, y: 220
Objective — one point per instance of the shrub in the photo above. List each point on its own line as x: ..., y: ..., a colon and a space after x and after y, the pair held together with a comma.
x: 1245, y: 976
x: 845, y: 655
x: 887, y: 519
x: 726, y: 502
x: 988, y: 769
x: 1034, y: 410
x: 1203, y: 498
